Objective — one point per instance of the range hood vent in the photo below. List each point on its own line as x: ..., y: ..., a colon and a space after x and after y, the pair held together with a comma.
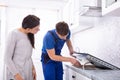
x: 91, y: 11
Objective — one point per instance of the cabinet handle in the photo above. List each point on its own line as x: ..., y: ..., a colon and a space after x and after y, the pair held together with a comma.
x: 73, y: 76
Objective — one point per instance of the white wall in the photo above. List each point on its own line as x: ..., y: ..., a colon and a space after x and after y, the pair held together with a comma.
x: 2, y: 40
x: 102, y: 41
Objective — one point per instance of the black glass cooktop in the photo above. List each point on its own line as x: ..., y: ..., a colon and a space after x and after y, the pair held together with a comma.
x: 98, y: 62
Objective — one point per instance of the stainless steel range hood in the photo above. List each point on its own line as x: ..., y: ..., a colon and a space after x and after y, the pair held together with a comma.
x: 92, y: 11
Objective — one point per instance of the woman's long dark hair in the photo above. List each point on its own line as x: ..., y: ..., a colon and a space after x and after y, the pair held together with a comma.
x: 30, y: 21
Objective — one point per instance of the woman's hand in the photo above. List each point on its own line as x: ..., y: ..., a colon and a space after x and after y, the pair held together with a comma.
x: 18, y: 77
x: 34, y: 73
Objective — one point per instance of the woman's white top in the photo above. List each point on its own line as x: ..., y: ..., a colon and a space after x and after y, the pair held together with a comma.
x: 18, y: 54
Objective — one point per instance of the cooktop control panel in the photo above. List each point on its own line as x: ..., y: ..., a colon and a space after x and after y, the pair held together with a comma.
x: 100, y: 63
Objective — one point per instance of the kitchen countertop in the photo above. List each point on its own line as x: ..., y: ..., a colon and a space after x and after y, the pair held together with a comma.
x: 97, y: 74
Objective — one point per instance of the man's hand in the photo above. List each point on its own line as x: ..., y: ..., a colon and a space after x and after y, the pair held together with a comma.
x: 75, y: 62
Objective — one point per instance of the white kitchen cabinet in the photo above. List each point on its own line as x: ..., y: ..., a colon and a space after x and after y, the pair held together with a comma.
x: 71, y: 12
x: 111, y: 7
x: 110, y: 2
x: 73, y: 75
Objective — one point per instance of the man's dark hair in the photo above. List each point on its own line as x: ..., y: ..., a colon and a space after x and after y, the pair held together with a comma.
x: 62, y: 28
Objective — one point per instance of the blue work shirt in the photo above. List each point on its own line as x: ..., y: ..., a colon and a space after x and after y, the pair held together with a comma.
x: 50, y: 42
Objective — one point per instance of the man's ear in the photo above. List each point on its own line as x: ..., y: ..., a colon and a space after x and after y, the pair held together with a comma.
x: 28, y: 29
x: 57, y: 33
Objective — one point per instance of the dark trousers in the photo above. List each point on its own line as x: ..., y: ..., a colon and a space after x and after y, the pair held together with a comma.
x: 52, y: 70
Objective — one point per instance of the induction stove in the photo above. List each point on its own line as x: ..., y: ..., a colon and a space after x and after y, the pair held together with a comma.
x: 97, y: 62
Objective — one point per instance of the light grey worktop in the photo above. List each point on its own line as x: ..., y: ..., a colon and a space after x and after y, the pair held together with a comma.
x: 97, y: 74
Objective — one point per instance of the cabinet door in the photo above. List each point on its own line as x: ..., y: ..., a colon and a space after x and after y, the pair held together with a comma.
x: 110, y: 7
x: 76, y: 76
x: 81, y: 77
x: 72, y: 74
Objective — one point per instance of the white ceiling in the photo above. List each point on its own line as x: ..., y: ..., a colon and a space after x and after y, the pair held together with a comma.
x: 50, y: 4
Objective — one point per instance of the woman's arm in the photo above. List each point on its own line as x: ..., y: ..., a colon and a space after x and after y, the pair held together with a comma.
x: 34, y: 72
x: 9, y: 54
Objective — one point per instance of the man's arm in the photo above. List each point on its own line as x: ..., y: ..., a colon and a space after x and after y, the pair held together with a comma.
x: 53, y: 56
x: 51, y: 53
x: 70, y: 47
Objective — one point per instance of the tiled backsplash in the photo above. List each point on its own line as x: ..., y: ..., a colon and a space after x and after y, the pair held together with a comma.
x: 102, y: 41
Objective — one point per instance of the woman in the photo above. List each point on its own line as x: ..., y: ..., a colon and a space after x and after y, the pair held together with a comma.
x: 18, y: 52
